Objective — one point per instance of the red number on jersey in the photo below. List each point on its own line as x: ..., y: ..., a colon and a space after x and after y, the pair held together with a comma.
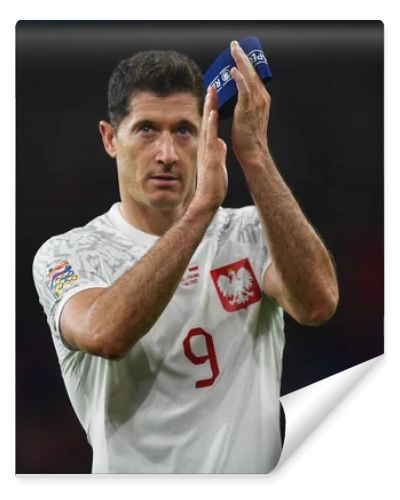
x: 199, y: 360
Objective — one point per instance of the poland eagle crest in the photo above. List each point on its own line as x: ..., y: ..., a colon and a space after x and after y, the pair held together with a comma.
x: 236, y: 285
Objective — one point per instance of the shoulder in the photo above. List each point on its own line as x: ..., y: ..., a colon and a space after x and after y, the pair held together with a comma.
x: 70, y: 261
x: 97, y: 235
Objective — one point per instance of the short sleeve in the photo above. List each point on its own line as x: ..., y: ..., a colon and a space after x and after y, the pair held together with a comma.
x: 60, y: 271
x: 248, y: 228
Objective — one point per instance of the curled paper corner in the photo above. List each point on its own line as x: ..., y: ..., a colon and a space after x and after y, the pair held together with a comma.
x: 308, y: 407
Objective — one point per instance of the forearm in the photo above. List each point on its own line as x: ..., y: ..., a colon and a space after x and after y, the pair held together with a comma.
x: 302, y: 277
x: 126, y: 311
x: 300, y: 258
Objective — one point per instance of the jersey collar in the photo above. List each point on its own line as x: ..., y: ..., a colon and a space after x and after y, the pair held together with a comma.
x: 130, y: 231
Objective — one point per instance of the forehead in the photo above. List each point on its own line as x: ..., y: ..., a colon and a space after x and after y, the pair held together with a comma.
x: 176, y: 107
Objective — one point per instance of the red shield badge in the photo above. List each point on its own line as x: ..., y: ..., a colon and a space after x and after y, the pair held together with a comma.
x: 236, y: 285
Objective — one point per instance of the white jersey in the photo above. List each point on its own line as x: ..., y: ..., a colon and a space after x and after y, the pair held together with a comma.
x: 200, y: 391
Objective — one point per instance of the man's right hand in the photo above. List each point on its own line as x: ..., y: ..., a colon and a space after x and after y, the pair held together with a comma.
x: 212, y: 177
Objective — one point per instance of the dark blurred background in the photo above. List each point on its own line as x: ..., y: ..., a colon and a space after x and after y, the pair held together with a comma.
x: 326, y: 134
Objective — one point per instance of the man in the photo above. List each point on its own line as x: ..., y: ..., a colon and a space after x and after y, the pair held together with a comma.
x: 167, y: 311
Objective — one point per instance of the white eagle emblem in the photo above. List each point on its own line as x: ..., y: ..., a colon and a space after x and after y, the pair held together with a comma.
x: 236, y: 287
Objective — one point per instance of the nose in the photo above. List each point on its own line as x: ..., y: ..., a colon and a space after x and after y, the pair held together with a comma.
x: 166, y: 149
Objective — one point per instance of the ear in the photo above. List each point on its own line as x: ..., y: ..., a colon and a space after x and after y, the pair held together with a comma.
x: 109, y: 138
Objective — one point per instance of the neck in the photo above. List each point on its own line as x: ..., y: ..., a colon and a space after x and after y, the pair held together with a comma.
x: 151, y: 220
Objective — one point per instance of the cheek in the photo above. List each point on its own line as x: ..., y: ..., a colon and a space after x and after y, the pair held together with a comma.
x: 130, y: 164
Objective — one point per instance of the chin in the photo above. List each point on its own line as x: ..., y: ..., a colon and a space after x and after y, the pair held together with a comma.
x: 165, y: 204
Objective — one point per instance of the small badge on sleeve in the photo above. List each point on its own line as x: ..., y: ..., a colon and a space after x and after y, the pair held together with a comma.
x: 60, y: 277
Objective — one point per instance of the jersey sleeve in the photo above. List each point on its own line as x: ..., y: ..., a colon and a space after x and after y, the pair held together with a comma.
x: 248, y: 229
x: 60, y: 270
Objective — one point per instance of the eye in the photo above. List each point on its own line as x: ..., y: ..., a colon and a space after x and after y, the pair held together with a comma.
x: 183, y: 130
x: 146, y: 129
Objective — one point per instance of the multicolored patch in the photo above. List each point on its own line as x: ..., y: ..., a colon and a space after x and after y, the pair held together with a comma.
x: 60, y: 277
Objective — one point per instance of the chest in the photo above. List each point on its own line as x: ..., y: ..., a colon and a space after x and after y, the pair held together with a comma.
x: 213, y: 316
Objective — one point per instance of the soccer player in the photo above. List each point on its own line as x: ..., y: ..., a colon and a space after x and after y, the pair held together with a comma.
x: 166, y: 312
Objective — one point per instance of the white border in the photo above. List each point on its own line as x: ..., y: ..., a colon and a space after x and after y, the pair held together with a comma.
x: 349, y: 456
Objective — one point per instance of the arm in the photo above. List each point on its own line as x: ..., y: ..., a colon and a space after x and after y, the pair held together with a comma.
x: 302, y: 277
x: 107, y: 322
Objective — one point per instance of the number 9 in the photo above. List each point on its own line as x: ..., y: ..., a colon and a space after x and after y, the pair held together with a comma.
x: 199, y: 360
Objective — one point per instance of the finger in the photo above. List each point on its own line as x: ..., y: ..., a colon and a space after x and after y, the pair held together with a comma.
x: 210, y: 105
x: 212, y: 129
x: 242, y: 62
x: 206, y: 113
x: 211, y: 101
x: 213, y: 98
x: 244, y: 92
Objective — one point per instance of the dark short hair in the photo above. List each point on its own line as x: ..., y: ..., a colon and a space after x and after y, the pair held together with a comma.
x: 162, y: 72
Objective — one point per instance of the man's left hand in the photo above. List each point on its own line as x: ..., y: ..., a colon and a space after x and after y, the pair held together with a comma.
x: 251, y: 114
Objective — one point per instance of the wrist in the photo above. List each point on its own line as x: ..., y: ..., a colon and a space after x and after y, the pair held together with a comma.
x: 200, y: 211
x: 260, y: 172
x: 259, y: 157
x: 260, y: 160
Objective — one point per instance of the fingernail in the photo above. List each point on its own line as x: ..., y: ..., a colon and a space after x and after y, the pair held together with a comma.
x: 234, y: 43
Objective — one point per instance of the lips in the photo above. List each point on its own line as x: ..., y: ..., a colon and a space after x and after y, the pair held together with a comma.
x: 164, y: 179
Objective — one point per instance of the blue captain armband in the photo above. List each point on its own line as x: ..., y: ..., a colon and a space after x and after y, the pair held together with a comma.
x: 218, y: 74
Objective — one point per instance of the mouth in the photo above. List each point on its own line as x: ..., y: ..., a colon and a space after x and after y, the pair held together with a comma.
x: 164, y: 179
